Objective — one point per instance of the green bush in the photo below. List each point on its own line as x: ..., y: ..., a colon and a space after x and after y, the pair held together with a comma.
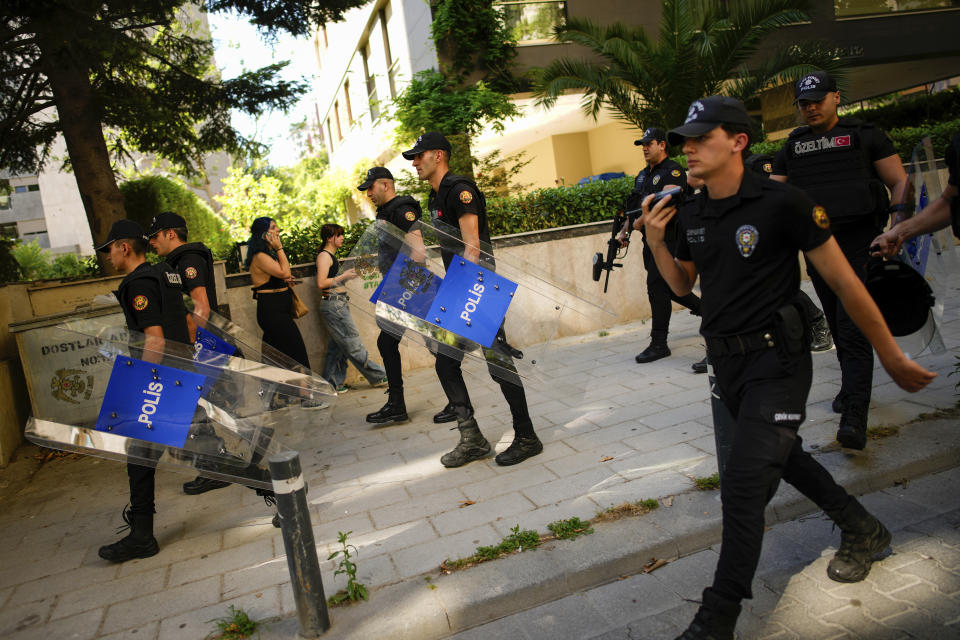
x: 557, y: 207
x: 36, y: 263
x: 9, y: 268
x: 146, y: 197
x: 919, y: 110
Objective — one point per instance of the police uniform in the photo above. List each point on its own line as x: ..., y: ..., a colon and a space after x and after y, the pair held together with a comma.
x: 744, y: 248
x: 653, y: 179
x: 953, y: 164
x: 194, y: 262
x: 404, y: 213
x: 836, y: 170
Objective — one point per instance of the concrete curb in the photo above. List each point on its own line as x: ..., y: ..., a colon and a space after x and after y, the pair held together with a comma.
x: 435, y: 606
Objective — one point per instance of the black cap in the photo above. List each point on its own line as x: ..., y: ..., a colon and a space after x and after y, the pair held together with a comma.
x: 166, y: 220
x: 706, y: 114
x: 373, y: 175
x: 814, y: 86
x: 121, y: 230
x: 427, y: 142
x: 650, y: 135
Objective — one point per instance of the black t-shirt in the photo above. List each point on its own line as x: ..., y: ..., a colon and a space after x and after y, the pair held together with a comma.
x: 953, y: 164
x: 653, y: 179
x: 456, y: 197
x: 745, y: 249
x: 402, y: 212
x: 193, y: 262
x: 142, y: 299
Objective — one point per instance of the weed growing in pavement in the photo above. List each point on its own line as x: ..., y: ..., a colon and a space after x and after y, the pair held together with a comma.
x: 708, y: 483
x: 236, y: 626
x: 603, y: 333
x: 882, y: 431
x: 640, y: 508
x: 570, y: 528
x: 355, y: 591
x: 517, y: 541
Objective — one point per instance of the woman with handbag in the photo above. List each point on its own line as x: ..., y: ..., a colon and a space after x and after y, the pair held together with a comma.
x: 344, y: 343
x: 272, y: 282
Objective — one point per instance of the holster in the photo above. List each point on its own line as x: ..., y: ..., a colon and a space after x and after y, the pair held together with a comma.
x: 792, y: 329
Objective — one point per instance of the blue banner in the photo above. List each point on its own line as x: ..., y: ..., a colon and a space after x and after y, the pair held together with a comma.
x: 472, y: 301
x: 150, y: 402
x: 408, y: 286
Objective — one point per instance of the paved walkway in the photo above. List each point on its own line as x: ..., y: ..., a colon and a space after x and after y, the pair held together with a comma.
x: 912, y: 593
x: 614, y: 432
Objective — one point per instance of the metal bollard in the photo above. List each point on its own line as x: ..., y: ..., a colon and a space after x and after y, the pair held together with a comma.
x: 298, y: 542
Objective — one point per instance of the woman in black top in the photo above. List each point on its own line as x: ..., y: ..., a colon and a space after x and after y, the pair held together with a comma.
x: 271, y: 276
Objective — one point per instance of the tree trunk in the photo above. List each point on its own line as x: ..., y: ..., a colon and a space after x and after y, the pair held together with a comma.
x: 82, y: 130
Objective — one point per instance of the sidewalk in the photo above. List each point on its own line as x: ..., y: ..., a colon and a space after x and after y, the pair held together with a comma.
x: 614, y: 431
x: 912, y: 593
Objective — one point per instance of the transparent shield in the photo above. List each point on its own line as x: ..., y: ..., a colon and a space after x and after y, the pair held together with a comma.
x: 499, y: 313
x: 932, y: 255
x: 116, y: 396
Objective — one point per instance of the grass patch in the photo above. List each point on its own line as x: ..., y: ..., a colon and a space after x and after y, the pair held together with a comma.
x: 939, y: 414
x: 516, y: 542
x: 627, y: 509
x: 708, y: 483
x: 570, y: 528
x: 236, y: 626
x: 603, y: 334
x: 882, y: 431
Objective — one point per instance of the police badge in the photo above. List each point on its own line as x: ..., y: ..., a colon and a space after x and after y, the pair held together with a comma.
x: 747, y: 237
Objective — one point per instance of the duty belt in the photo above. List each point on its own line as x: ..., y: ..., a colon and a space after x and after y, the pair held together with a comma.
x: 743, y: 343
x: 328, y: 296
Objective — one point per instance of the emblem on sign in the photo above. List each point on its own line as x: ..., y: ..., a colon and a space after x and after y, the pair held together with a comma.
x: 68, y: 385
x: 820, y: 217
x: 747, y: 237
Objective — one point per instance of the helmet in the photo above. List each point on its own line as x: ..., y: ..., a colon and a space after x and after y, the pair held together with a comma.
x: 903, y: 295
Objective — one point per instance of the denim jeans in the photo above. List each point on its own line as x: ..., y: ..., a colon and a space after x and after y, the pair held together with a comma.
x: 345, y: 345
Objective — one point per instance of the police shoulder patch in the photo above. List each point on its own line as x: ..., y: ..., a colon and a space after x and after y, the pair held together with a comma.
x: 675, y: 173
x: 140, y: 302
x: 410, y: 216
x: 820, y: 217
x: 767, y: 167
x: 190, y: 272
x: 466, y: 197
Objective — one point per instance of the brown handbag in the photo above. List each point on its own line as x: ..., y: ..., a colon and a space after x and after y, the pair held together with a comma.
x: 296, y: 305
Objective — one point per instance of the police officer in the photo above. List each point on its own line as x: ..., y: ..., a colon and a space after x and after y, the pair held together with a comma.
x: 820, y: 338
x: 404, y: 213
x: 152, y: 303
x: 457, y: 203
x: 846, y: 166
x: 194, y: 262
x: 942, y: 212
x: 659, y: 173
x: 741, y: 235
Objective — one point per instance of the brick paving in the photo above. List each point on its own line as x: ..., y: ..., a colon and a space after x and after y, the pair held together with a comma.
x: 613, y: 430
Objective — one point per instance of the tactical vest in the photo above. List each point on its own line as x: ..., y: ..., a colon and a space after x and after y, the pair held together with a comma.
x: 835, y: 170
x: 204, y: 252
x: 448, y: 246
x: 389, y: 247
x: 173, y: 312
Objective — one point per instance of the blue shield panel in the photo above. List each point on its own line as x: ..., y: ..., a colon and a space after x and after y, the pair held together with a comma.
x: 150, y: 402
x: 409, y: 286
x: 472, y: 301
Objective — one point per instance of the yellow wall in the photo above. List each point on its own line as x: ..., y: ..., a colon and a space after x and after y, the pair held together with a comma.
x: 542, y: 170
x: 571, y: 153
x: 612, y: 149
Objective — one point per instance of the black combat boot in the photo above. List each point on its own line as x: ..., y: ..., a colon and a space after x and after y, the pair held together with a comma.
x: 862, y: 537
x: 852, y: 433
x: 447, y: 414
x: 839, y: 402
x: 715, y: 620
x: 700, y: 366
x: 520, y: 449
x: 201, y: 484
x: 658, y: 348
x: 394, y: 411
x: 472, y: 445
x: 820, y: 337
x: 140, y: 542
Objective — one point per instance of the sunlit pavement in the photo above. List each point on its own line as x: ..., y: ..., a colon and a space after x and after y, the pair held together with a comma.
x: 614, y: 431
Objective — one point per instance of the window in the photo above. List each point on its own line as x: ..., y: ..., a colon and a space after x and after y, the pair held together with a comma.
x: 33, y: 187
x: 371, y: 84
x: 533, y: 21
x: 850, y: 8
x: 391, y: 65
x: 329, y: 134
x: 21, y: 189
x: 336, y: 115
x: 346, y: 93
x: 8, y: 230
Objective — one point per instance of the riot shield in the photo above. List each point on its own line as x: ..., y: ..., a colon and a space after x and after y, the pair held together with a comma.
x: 202, y: 410
x: 932, y: 255
x: 501, y: 313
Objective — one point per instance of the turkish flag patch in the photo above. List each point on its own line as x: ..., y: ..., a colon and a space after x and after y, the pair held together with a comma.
x: 842, y: 141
